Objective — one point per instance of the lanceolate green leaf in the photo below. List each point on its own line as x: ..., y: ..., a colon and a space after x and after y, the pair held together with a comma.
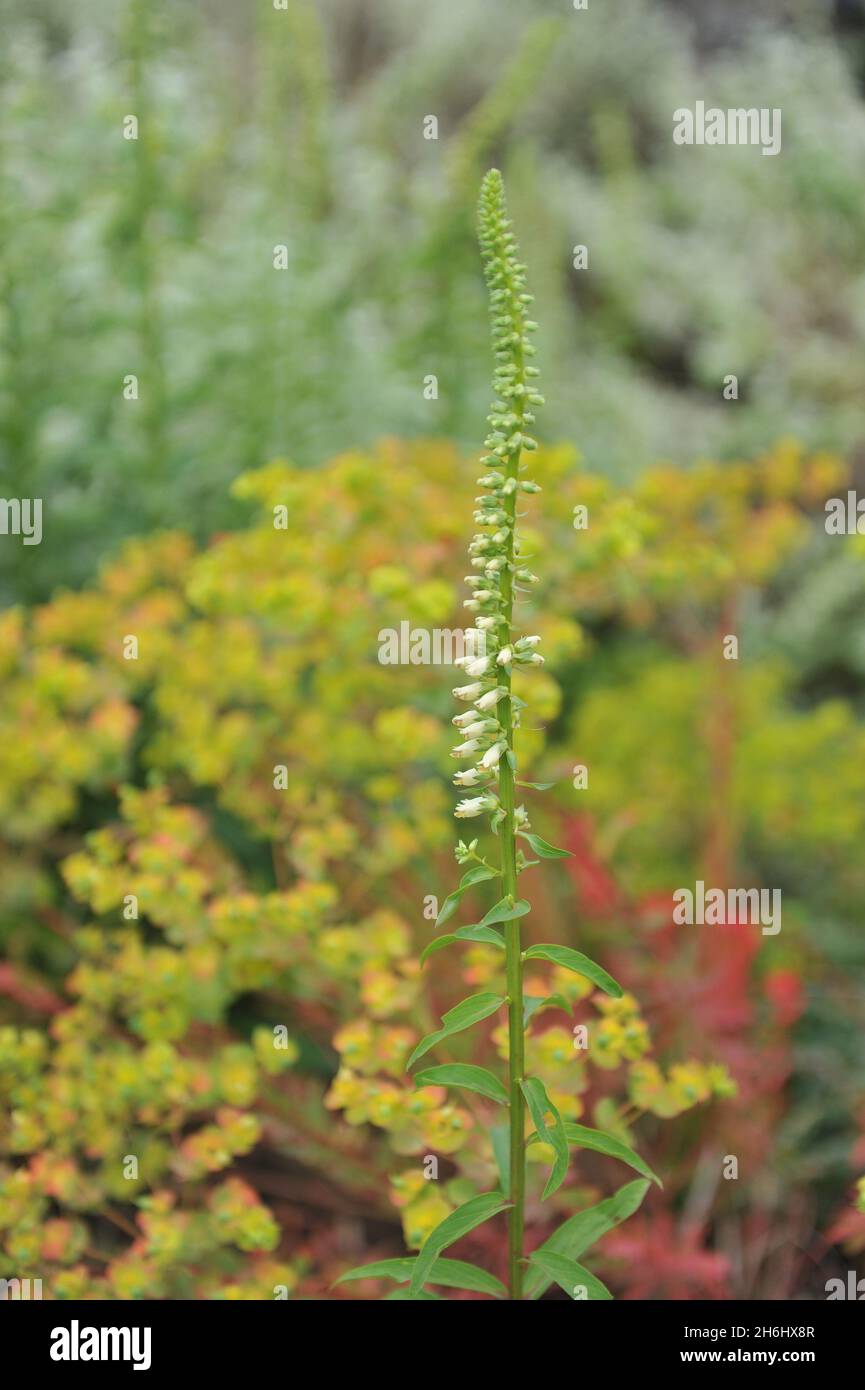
x: 501, y: 1141
x: 450, y: 1274
x: 544, y: 850
x: 506, y: 911
x: 405, y: 1295
x: 533, y: 1003
x: 399, y: 1269
x: 539, y: 1103
x: 448, y: 907
x: 479, y: 874
x: 577, y: 1281
x: 470, y: 1011
x: 580, y: 964
x: 488, y: 935
x: 585, y: 1227
x: 459, y: 1274
x: 461, y: 1074
x: 475, y: 933
x: 471, y: 1214
x: 438, y: 943
x: 603, y: 1143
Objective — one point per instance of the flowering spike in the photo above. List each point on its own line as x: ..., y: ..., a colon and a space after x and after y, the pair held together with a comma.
x: 493, y: 747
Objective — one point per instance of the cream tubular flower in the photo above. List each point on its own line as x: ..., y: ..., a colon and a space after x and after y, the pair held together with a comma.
x: 467, y: 749
x: 470, y: 777
x: 492, y: 755
x: 491, y: 699
x: 473, y: 665
x: 475, y: 806
x: 467, y: 693
x: 468, y: 717
x: 482, y: 726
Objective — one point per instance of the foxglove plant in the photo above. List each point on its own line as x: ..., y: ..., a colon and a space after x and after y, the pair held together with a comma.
x: 487, y: 729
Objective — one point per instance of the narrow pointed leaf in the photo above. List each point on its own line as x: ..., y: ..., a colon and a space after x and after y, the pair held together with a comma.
x: 569, y: 1275
x: 462, y: 1074
x: 471, y: 1214
x: 451, y: 1274
x: 438, y: 943
x: 505, y: 911
x: 406, y: 1296
x: 459, y: 1274
x: 603, y: 1143
x: 580, y: 964
x: 539, y: 1103
x: 399, y: 1269
x: 469, y: 1012
x: 585, y: 1227
x: 537, y: 786
x: 488, y: 935
x: 501, y: 1141
x: 533, y: 1003
x: 448, y: 907
x: 544, y: 850
x: 477, y: 875
x: 473, y: 933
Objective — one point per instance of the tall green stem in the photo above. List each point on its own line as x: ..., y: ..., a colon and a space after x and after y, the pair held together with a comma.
x: 513, y: 947
x: 513, y: 943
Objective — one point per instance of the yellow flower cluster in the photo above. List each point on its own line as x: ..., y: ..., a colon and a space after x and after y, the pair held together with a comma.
x: 685, y: 1085
x: 272, y: 812
x: 417, y: 1120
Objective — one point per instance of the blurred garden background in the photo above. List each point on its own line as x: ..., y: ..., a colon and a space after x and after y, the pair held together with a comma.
x: 211, y: 969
